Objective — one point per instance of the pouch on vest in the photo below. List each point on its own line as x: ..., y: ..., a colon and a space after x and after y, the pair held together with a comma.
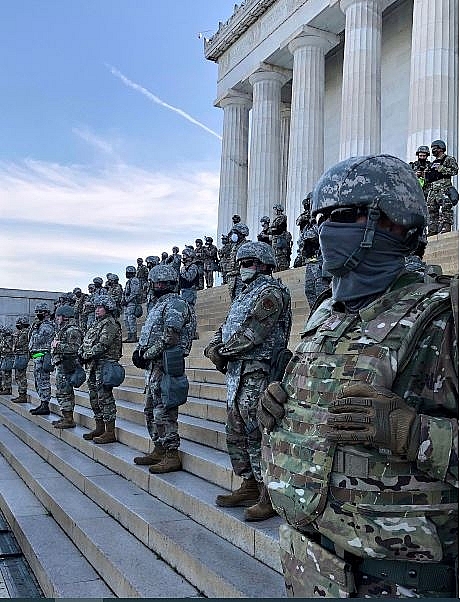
x: 452, y: 193
x: 174, y: 390
x: 20, y: 362
x: 113, y: 374
x: 78, y: 377
x: 7, y: 363
x: 138, y: 311
x: 47, y: 364
x: 279, y: 364
x: 68, y: 364
x: 173, y: 361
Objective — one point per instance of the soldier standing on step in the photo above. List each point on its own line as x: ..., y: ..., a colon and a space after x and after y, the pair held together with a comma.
x: 7, y: 357
x: 238, y: 235
x: 210, y: 261
x: 250, y: 348
x: 224, y: 257
x: 360, y: 452
x: 442, y: 196
x: 281, y: 239
x: 21, y: 357
x: 168, y: 329
x: 64, y: 349
x: 101, y: 343
x: 41, y: 333
x: 131, y: 299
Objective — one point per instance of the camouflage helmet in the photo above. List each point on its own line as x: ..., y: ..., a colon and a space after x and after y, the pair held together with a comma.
x: 152, y: 259
x: 41, y: 306
x: 209, y: 239
x: 140, y: 260
x: 306, y: 202
x: 76, y: 290
x: 440, y: 143
x: 175, y: 249
x: 66, y: 311
x: 7, y: 330
x: 265, y: 219
x: 379, y: 181
x: 278, y: 207
x: 130, y: 269
x: 105, y: 301
x: 22, y: 321
x: 98, y: 281
x: 257, y: 250
x: 236, y: 218
x: 198, y: 241
x: 422, y: 149
x: 112, y: 277
x: 163, y: 273
x: 224, y: 237
x: 189, y: 252
x: 241, y: 228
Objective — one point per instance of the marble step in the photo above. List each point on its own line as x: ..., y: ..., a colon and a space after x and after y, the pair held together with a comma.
x: 58, y: 565
x: 186, y: 492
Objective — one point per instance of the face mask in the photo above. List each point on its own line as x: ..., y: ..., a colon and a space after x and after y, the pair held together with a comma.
x: 234, y: 237
x: 40, y: 316
x: 247, y: 274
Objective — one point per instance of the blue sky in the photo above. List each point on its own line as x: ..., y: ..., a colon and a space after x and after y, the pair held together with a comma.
x: 110, y: 144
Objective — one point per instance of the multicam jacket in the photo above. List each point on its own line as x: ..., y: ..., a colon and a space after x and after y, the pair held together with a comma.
x: 6, y: 345
x: 368, y: 502
x: 69, y: 338
x: 103, y: 340
x: 20, y: 342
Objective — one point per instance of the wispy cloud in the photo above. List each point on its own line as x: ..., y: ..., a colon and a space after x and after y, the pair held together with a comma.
x: 62, y: 225
x: 88, y: 136
x: 160, y: 102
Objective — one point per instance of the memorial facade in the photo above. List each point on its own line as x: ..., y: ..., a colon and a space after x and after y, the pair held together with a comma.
x: 306, y: 83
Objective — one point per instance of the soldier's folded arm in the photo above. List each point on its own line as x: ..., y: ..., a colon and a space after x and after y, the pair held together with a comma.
x: 449, y: 168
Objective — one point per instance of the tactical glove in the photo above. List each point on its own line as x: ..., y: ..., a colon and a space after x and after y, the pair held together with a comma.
x: 212, y: 353
x: 368, y: 414
x: 154, y: 351
x: 271, y: 406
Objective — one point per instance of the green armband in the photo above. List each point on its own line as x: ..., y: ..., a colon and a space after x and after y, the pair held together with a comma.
x: 37, y: 355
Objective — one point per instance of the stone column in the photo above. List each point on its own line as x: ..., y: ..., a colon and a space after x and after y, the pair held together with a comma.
x: 265, y: 146
x: 433, y: 100
x: 361, y: 117
x: 233, y: 191
x: 306, y: 145
x: 285, y: 133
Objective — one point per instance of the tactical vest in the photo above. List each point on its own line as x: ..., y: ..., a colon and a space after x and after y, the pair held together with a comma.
x: 92, y: 337
x: 41, y: 334
x: 342, y: 491
x: 193, y: 282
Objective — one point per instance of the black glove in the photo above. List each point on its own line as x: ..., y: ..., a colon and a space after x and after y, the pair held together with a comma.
x: 376, y: 416
x: 270, y: 409
x: 212, y: 353
x: 138, y: 359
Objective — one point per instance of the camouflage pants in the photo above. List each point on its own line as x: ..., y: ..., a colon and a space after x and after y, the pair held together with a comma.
x: 42, y: 381
x: 20, y: 377
x: 282, y: 262
x: 100, y: 397
x: 440, y: 212
x: 64, y: 391
x: 6, y: 379
x: 130, y: 319
x: 242, y: 429
x: 161, y: 423
x: 314, y: 282
x: 209, y: 275
x: 235, y: 286
x: 189, y: 295
x: 89, y: 320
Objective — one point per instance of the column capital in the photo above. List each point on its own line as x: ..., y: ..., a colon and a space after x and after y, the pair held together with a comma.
x: 267, y: 72
x: 233, y: 97
x: 345, y: 4
x: 311, y: 36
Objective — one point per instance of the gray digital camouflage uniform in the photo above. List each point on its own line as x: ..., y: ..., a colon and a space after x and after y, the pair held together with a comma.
x: 171, y: 322
x: 257, y: 327
x: 41, y: 333
x: 68, y: 339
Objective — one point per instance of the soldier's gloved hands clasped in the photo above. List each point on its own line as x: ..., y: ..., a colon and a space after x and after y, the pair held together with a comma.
x: 212, y: 353
x: 271, y: 409
x: 368, y: 414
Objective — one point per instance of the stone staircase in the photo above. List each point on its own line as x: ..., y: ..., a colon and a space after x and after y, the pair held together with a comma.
x: 93, y: 524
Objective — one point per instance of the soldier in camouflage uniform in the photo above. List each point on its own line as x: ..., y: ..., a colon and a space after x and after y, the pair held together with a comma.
x: 7, y: 358
x: 21, y: 357
x: 64, y: 349
x: 102, y: 343
x: 115, y: 290
x: 210, y: 261
x: 80, y: 299
x: 170, y: 325
x: 364, y: 465
x: 200, y: 255
x: 41, y: 333
x: 281, y: 239
x: 238, y: 236
x: 264, y: 234
x: 246, y: 348
x: 224, y: 257
x: 131, y: 299
x: 142, y: 274
x: 87, y: 313
x: 174, y: 260
x: 151, y: 261
x: 439, y: 176
x: 420, y: 166
x: 189, y: 276
x: 236, y: 219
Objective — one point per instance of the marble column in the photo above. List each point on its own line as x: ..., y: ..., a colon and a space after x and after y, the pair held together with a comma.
x: 285, y: 134
x: 306, y: 144
x: 360, y: 131
x: 434, y: 83
x: 233, y: 191
x: 265, y: 146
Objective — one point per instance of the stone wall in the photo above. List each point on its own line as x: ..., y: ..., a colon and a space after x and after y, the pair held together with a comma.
x: 15, y: 302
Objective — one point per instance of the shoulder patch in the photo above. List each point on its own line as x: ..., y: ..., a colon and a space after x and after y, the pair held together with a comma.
x: 268, y: 304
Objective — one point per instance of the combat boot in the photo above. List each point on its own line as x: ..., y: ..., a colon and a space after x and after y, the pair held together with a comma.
x: 42, y: 410
x: 67, y: 422
x: 6, y: 391
x: 21, y: 398
x: 263, y: 509
x: 152, y: 458
x: 169, y: 462
x: 246, y: 495
x: 109, y: 434
x: 99, y: 430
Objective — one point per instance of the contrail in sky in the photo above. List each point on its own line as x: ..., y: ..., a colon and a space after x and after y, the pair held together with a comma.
x: 160, y: 102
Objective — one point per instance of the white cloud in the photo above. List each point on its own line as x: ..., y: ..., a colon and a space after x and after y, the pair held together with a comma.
x: 65, y: 224
x: 99, y: 143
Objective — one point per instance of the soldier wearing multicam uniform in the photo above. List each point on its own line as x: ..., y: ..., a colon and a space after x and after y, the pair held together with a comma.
x: 80, y: 299
x: 87, y: 313
x: 281, y: 239
x: 364, y: 465
x: 200, y: 255
x: 102, y: 343
x: 264, y: 234
x: 420, y: 166
x: 170, y: 325
x: 142, y: 274
x: 210, y: 261
x: 224, y: 257
x: 7, y: 358
x: 440, y: 201
x: 41, y: 333
x: 64, y: 349
x: 115, y: 290
x: 21, y: 357
x: 246, y: 347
